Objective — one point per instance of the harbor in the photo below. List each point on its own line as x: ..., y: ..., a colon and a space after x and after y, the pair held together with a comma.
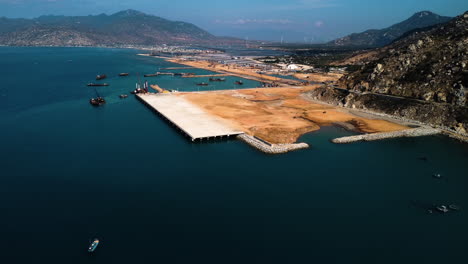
x: 190, y: 119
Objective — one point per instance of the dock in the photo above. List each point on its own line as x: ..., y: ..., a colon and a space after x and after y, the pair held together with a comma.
x: 204, y: 76
x: 189, y: 118
x: 178, y: 68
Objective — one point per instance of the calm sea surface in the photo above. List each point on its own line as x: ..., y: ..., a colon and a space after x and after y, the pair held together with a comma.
x: 71, y: 172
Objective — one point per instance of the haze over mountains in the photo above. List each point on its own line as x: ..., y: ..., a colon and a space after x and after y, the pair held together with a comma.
x: 382, y: 37
x: 127, y: 27
x: 132, y: 27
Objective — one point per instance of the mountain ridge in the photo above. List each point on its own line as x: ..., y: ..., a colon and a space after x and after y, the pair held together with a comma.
x: 422, y: 77
x: 385, y: 36
x: 127, y: 27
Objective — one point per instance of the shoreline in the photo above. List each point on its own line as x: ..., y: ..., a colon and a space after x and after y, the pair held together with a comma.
x: 405, y: 121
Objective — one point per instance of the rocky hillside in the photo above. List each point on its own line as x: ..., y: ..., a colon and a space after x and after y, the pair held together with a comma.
x: 128, y: 27
x: 382, y: 37
x: 422, y: 77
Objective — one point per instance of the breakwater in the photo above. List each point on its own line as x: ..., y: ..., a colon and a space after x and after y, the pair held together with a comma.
x: 417, y: 132
x: 271, y: 148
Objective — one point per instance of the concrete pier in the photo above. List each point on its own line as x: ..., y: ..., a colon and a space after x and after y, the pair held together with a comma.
x: 189, y: 118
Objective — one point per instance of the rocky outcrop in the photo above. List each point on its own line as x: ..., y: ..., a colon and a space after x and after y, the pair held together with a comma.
x: 422, y: 77
x: 430, y: 66
x: 443, y: 116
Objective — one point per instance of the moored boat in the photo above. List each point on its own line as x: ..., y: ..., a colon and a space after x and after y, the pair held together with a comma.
x: 442, y: 209
x: 101, y: 77
x: 217, y: 79
x: 98, y: 84
x: 98, y: 101
x: 151, y: 75
x: 92, y: 247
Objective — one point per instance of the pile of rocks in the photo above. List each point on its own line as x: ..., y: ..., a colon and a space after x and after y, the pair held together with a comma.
x: 417, y: 132
x: 272, y: 148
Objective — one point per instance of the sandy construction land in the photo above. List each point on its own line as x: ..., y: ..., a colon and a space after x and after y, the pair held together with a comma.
x: 235, y: 70
x: 280, y: 115
x: 319, y: 77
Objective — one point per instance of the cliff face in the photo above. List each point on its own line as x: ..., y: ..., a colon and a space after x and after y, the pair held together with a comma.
x: 382, y: 37
x: 423, y: 76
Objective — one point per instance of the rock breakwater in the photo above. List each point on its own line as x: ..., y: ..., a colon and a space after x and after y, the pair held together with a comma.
x: 271, y: 148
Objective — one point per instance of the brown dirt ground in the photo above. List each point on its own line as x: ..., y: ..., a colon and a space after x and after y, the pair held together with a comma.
x: 319, y: 77
x: 279, y: 115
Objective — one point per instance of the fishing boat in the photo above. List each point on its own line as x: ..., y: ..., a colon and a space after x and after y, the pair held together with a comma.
x: 92, y: 247
x: 138, y: 89
x: 202, y: 84
x: 98, y: 101
x: 101, y: 77
x: 442, y: 209
x: 98, y: 84
x: 123, y: 74
x: 239, y: 82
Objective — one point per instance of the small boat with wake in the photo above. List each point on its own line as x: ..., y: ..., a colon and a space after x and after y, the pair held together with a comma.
x: 123, y: 96
x: 101, y: 77
x: 98, y: 84
x: 92, y: 247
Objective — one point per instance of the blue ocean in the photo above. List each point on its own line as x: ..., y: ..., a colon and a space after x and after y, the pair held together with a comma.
x: 71, y: 173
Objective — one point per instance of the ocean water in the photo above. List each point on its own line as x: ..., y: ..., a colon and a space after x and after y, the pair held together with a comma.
x: 71, y: 172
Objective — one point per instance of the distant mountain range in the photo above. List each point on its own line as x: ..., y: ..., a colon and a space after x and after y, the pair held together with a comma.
x: 127, y: 27
x: 382, y: 37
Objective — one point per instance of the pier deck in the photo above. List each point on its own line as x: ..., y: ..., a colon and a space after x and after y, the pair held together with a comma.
x: 193, y: 121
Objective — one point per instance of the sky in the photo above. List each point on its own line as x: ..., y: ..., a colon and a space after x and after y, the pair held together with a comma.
x: 310, y: 21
